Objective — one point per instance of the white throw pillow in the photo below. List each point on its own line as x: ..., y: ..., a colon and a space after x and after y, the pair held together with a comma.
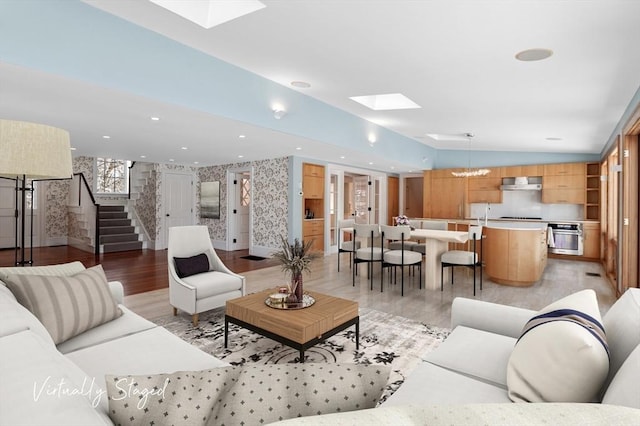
x: 66, y: 306
x: 562, y: 354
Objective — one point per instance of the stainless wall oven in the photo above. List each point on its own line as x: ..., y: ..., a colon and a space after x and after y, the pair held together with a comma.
x: 567, y: 239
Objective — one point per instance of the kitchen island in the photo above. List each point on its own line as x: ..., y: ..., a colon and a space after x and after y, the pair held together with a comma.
x: 515, y: 253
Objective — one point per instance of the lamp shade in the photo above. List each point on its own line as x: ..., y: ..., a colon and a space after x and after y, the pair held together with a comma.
x: 36, y: 151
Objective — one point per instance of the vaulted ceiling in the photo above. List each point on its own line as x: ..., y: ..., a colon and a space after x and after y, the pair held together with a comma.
x: 104, y: 68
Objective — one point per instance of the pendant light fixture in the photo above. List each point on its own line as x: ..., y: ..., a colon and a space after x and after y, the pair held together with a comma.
x: 469, y: 172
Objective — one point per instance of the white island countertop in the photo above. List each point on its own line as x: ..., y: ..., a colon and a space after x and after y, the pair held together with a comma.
x: 517, y: 225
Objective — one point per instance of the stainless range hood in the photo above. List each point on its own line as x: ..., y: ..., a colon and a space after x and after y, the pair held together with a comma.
x: 524, y: 183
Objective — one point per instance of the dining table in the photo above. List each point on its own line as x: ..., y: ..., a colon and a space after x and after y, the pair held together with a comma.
x: 437, y: 242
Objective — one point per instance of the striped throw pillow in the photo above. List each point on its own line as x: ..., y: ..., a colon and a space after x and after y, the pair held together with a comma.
x: 66, y: 306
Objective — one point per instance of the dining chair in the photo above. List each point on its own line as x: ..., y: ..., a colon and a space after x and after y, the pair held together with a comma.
x: 402, y: 257
x: 345, y: 226
x: 470, y: 259
x: 370, y: 254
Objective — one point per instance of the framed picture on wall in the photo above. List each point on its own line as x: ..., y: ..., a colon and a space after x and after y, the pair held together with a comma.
x: 210, y: 200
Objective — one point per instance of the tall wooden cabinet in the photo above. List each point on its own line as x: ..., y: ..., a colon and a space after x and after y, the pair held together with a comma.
x: 313, y: 204
x: 444, y: 194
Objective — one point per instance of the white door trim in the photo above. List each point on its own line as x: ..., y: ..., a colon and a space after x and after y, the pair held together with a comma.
x: 231, y: 222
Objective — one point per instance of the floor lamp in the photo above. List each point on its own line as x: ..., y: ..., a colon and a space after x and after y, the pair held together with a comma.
x: 32, y: 151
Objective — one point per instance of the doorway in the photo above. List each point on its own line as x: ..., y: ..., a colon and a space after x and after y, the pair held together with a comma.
x: 356, y: 194
x: 178, y: 196
x: 239, y: 200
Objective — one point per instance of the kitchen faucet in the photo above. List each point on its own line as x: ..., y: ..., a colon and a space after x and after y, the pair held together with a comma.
x: 485, y: 218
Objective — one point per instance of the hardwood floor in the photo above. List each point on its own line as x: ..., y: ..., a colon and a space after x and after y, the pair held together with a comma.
x: 144, y: 277
x: 139, y: 271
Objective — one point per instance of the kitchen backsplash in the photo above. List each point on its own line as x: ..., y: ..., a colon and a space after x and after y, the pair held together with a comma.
x: 527, y: 204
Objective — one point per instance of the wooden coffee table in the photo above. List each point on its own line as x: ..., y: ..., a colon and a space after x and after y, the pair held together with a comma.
x: 299, y: 328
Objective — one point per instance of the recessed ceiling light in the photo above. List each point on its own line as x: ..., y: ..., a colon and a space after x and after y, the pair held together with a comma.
x: 196, y: 162
x: 530, y: 55
x: 553, y: 139
x: 342, y: 157
x: 300, y: 84
x: 386, y: 102
x: 171, y: 160
x: 240, y: 156
x: 298, y: 148
x: 184, y: 147
x: 143, y: 156
x: 393, y: 168
x: 73, y: 148
x: 459, y: 137
x: 155, y: 118
x: 242, y: 136
x: 210, y: 13
x: 410, y: 171
x: 371, y: 163
x: 106, y: 137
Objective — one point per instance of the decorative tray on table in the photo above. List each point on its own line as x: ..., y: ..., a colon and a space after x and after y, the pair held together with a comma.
x: 279, y: 301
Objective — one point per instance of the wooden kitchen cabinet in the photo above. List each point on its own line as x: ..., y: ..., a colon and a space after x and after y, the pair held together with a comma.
x: 485, y: 189
x: 313, y: 205
x: 444, y: 194
x: 313, y: 229
x: 312, y: 180
x: 565, y: 169
x: 518, y: 171
x: 591, y: 240
x: 564, y: 183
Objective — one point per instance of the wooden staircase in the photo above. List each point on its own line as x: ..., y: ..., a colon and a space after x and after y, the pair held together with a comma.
x: 116, y: 231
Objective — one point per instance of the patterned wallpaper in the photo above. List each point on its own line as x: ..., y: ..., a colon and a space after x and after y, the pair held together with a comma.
x: 56, y: 211
x: 270, y: 200
x: 146, y: 204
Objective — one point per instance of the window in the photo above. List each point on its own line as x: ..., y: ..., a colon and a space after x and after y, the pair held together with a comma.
x: 112, y: 176
x: 245, y: 191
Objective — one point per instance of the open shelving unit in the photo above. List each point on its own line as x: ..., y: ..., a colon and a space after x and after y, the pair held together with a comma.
x: 592, y: 205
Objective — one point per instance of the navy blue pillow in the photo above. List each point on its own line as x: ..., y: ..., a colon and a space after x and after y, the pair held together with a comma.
x: 187, y: 266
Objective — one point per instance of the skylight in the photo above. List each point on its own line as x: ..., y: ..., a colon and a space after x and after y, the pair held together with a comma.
x: 209, y: 13
x: 386, y: 102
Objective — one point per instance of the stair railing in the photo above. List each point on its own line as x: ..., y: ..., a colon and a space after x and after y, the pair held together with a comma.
x: 76, y: 198
x: 133, y: 163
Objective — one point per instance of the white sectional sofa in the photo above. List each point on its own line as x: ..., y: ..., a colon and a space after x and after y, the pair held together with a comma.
x: 37, y: 377
x: 465, y: 378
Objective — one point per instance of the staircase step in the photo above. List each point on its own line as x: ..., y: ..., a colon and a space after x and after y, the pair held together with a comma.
x: 113, y: 215
x: 114, y: 222
x: 126, y: 246
x: 109, y: 230
x: 111, y: 208
x: 118, y: 238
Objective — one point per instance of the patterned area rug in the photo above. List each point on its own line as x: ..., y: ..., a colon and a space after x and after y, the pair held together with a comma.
x: 384, y: 339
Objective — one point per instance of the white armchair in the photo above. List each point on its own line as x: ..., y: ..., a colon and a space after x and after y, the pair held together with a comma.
x: 201, y: 291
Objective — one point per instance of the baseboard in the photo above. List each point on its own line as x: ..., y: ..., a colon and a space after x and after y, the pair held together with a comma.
x: 262, y: 251
x: 80, y: 244
x: 219, y: 244
x: 56, y: 241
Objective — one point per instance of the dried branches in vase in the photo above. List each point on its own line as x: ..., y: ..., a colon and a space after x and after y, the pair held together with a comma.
x: 295, y: 259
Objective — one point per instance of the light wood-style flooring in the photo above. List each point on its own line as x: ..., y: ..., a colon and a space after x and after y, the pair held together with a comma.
x: 561, y: 278
x: 144, y: 276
